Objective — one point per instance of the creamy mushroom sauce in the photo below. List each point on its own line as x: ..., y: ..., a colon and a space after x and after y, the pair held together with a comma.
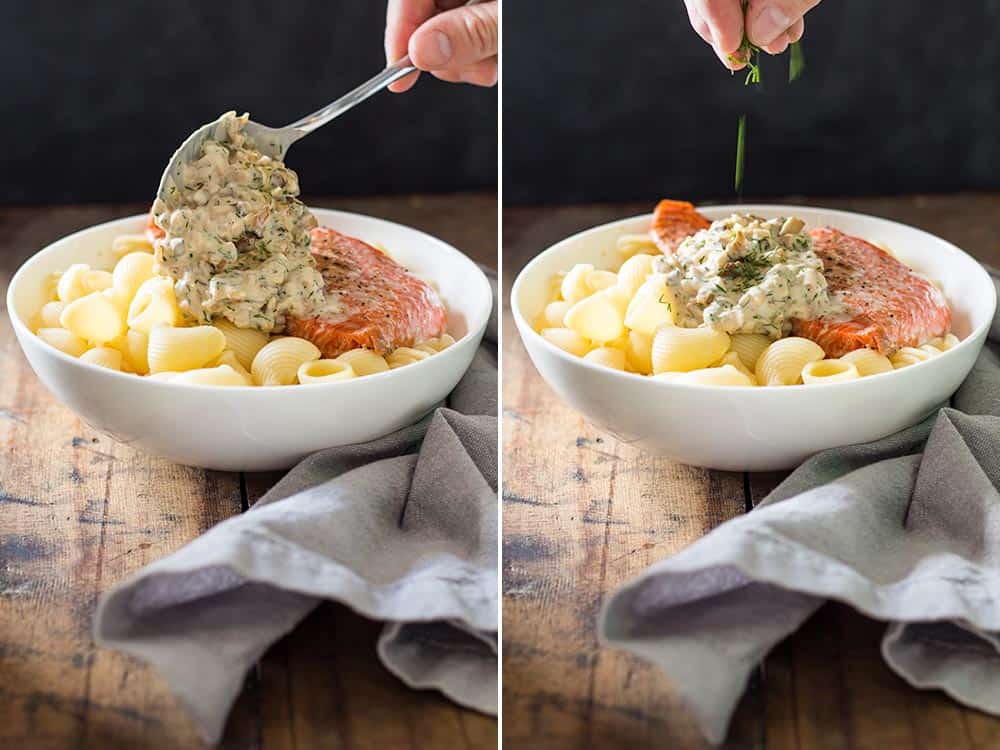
x: 746, y: 274
x: 237, y: 236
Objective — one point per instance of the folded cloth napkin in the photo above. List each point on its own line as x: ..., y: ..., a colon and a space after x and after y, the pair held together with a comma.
x: 905, y: 530
x: 402, y: 529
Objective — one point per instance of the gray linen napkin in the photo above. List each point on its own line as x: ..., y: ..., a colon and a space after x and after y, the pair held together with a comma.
x: 905, y: 530
x: 402, y: 529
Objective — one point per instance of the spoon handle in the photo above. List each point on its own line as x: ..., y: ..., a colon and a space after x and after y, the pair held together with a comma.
x: 373, y: 85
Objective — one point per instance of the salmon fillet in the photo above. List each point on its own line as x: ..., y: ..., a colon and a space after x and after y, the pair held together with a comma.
x: 892, y: 307
x: 381, y: 306
x: 674, y: 222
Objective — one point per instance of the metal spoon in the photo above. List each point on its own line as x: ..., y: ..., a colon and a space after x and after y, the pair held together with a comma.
x: 275, y: 142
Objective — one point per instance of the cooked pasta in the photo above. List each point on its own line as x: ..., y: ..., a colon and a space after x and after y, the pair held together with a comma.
x: 726, y: 375
x: 124, y: 244
x: 364, y: 361
x: 244, y: 342
x: 868, y: 362
x: 278, y: 362
x: 567, y: 339
x: 651, y: 307
x: 749, y: 347
x: 574, y: 285
x: 325, y: 371
x: 221, y: 375
x: 154, y: 304
x: 94, y: 317
x: 829, y: 371
x: 179, y: 349
x: 554, y: 315
x: 48, y: 316
x: 782, y: 362
x: 606, y: 357
x: 684, y: 349
x: 229, y: 358
x: 103, y: 356
x: 909, y: 355
x: 631, y: 244
x: 599, y: 317
x: 639, y: 352
x: 63, y: 340
x: 733, y: 359
x: 406, y: 355
x: 598, y: 280
x: 134, y: 347
x: 96, y: 281
x: 130, y: 273
x: 633, y: 273
x: 71, y: 284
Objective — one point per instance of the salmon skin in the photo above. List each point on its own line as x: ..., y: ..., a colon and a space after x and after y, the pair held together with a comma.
x: 373, y: 303
x: 674, y: 222
x: 890, y: 306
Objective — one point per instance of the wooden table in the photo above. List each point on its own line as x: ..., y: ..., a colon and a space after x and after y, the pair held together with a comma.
x: 78, y: 513
x: 584, y: 513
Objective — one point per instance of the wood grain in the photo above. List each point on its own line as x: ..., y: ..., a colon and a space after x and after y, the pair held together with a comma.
x: 584, y: 513
x: 81, y: 512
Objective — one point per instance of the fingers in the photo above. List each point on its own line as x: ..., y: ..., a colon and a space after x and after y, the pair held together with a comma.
x: 720, y: 23
x: 402, y: 18
x: 482, y: 73
x: 770, y: 21
x: 457, y: 39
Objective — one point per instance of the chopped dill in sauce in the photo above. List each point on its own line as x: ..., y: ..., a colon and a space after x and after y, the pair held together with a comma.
x: 745, y: 274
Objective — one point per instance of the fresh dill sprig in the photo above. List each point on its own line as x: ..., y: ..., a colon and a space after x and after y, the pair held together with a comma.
x: 796, y: 61
x: 741, y: 139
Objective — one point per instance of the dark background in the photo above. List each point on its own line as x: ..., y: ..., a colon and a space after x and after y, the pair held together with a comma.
x: 97, y: 95
x: 623, y: 101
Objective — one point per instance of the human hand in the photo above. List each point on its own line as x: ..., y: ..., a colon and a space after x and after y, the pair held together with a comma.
x: 770, y: 24
x: 449, y: 40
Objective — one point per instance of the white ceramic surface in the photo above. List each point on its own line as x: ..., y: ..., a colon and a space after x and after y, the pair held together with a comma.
x: 256, y: 429
x: 759, y: 429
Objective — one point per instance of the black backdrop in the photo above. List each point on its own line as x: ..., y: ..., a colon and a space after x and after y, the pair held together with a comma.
x: 96, y: 96
x: 621, y: 100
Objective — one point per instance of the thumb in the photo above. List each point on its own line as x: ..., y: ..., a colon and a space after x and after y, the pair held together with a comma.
x: 456, y: 38
x: 769, y: 19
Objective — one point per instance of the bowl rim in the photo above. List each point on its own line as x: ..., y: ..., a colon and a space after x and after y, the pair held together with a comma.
x: 528, y: 331
x: 476, y: 325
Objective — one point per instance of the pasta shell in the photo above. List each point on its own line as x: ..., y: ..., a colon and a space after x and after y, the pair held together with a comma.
x: 325, y: 371
x: 599, y: 317
x: 829, y: 371
x: 179, y: 349
x: 94, y: 317
x: 606, y: 357
x: 567, y: 339
x: 103, y: 356
x: 63, y: 340
x: 782, y: 362
x: 278, y: 362
x: 364, y: 361
x: 651, y: 307
x: 868, y: 362
x: 685, y: 349
x: 244, y: 342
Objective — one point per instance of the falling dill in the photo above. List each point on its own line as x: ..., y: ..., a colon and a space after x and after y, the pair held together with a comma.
x: 748, y: 54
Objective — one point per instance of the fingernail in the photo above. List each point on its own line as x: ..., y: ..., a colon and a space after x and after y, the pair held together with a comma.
x: 770, y: 23
x: 437, y: 51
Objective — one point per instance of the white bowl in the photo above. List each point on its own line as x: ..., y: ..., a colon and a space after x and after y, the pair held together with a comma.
x: 256, y: 429
x: 759, y: 429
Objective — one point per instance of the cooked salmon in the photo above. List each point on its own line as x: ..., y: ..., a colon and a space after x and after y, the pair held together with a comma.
x: 891, y: 307
x: 373, y: 303
x: 673, y: 222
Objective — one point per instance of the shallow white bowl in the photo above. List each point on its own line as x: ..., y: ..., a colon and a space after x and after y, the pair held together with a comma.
x: 759, y: 429
x: 256, y: 429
